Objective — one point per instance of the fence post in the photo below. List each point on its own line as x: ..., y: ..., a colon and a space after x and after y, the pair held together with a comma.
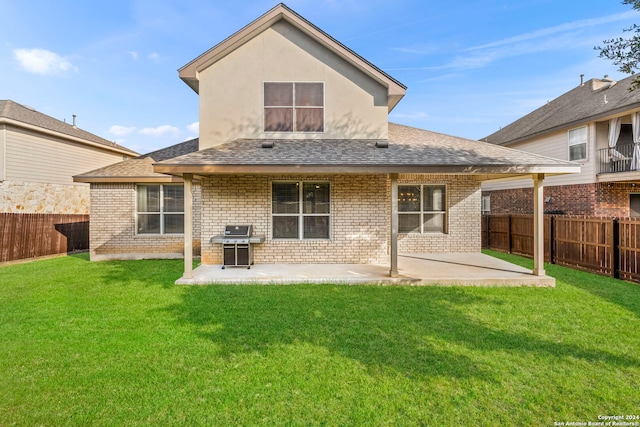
x: 615, y: 248
x: 552, y: 239
x: 509, y: 244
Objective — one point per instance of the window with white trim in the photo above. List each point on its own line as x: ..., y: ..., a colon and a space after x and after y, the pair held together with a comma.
x: 293, y: 106
x: 160, y: 209
x: 422, y: 208
x: 486, y: 205
x: 578, y: 143
x: 300, y: 210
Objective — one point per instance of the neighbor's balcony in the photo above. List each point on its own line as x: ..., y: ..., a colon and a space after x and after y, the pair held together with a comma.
x: 616, y: 160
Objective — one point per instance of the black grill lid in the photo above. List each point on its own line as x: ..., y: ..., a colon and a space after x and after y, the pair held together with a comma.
x: 237, y: 230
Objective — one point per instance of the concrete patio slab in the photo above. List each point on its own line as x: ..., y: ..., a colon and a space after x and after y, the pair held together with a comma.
x: 457, y: 269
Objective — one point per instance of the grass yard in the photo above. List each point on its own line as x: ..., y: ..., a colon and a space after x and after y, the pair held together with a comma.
x: 117, y: 343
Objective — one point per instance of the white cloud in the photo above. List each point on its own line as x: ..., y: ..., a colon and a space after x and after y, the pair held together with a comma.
x: 133, y: 54
x: 194, y: 128
x: 563, y: 28
x: 41, y: 61
x: 163, y: 130
x: 154, y: 56
x: 118, y: 130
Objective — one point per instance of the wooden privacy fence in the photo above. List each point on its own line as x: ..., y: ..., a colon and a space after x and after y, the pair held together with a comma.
x: 608, y: 246
x: 25, y: 236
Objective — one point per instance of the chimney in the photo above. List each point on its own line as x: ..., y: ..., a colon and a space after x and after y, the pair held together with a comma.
x: 74, y: 121
x: 581, y: 79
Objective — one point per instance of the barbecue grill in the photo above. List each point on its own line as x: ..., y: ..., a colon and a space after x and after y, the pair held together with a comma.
x: 237, y: 243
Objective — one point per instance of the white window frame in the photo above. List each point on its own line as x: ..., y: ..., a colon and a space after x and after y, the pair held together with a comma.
x: 300, y: 214
x: 293, y: 107
x: 582, y: 141
x: 161, y: 212
x: 486, y: 205
x: 422, y: 212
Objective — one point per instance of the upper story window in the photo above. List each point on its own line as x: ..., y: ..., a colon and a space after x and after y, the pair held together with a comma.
x: 578, y: 143
x: 160, y: 209
x: 293, y: 107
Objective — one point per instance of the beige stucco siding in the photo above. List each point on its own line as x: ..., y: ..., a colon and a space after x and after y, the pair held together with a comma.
x: 555, y: 145
x: 231, y: 104
x: 360, y: 212
x: 34, y: 157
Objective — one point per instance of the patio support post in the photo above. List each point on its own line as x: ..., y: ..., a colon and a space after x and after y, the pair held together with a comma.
x: 188, y: 226
x: 538, y: 224
x: 393, y: 271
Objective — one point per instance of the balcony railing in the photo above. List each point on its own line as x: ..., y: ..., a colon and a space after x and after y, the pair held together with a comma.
x: 614, y: 160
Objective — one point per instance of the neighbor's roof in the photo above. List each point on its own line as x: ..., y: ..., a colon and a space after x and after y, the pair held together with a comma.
x: 409, y: 150
x: 20, y: 115
x: 139, y: 169
x: 593, y: 100
x: 189, y: 73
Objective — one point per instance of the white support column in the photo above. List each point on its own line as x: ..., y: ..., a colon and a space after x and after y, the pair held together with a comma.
x: 188, y: 226
x: 538, y: 225
x: 393, y: 271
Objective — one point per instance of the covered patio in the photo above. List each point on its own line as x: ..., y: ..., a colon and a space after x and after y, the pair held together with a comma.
x: 445, y: 269
x: 409, y: 156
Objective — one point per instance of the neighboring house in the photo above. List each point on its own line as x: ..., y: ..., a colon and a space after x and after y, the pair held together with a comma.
x: 295, y: 140
x: 596, y: 125
x: 39, y: 156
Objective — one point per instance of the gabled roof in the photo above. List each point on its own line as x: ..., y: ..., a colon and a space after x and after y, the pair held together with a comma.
x: 189, y: 73
x: 139, y: 169
x: 593, y: 100
x: 409, y: 150
x: 19, y: 115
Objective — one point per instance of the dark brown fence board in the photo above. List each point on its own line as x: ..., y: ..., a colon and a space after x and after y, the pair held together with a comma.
x: 629, y: 249
x: 24, y: 236
x: 498, y: 233
x: 607, y: 246
x: 584, y: 243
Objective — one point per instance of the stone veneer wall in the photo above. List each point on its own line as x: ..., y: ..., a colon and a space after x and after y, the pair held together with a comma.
x: 360, y: 229
x: 112, y: 226
x: 601, y: 199
x: 36, y: 197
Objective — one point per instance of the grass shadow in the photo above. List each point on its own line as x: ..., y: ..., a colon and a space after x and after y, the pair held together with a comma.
x: 415, y: 331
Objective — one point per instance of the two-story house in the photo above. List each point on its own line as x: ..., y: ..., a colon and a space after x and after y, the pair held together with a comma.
x: 295, y: 141
x: 39, y: 156
x: 597, y: 125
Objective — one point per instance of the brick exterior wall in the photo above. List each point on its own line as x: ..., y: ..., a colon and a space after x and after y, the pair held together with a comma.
x: 601, y: 199
x: 463, y: 217
x: 112, y: 226
x: 360, y: 210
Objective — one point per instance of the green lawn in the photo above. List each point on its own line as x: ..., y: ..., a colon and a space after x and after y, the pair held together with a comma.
x: 117, y: 343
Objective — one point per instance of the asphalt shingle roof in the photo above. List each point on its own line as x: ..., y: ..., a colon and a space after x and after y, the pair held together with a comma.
x: 19, y: 113
x: 407, y: 146
x: 580, y: 105
x: 142, y: 166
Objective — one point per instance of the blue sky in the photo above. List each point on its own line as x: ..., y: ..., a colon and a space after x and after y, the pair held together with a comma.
x: 471, y: 67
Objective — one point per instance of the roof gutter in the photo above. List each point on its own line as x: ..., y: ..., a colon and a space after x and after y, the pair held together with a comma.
x: 363, y: 169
